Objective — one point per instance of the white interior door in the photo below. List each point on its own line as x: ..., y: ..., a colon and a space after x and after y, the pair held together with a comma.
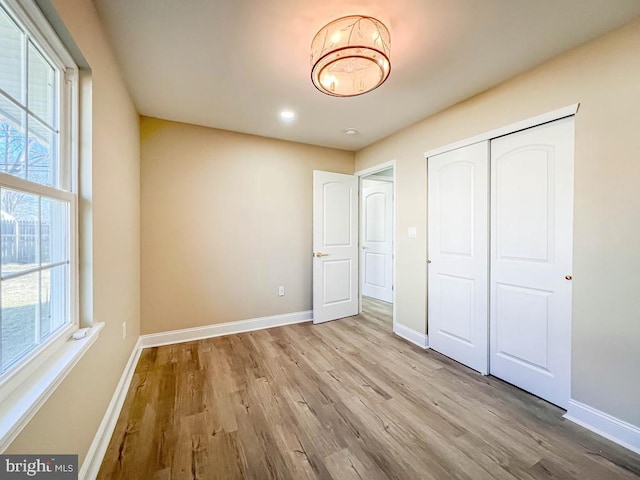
x: 335, y: 246
x: 377, y: 241
x: 458, y: 252
x: 531, y: 253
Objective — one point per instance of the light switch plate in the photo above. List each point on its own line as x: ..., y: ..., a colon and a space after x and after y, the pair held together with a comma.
x: 412, y: 232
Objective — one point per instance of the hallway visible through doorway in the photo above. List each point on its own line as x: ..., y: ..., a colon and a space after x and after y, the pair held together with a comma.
x: 377, y: 312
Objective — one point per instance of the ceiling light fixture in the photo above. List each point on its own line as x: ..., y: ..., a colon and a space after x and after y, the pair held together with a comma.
x: 350, y: 56
x: 350, y: 131
x: 287, y: 115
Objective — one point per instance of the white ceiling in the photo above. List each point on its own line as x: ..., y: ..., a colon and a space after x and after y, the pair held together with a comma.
x: 235, y: 64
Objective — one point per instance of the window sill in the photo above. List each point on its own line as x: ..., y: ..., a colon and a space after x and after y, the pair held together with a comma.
x: 19, y: 407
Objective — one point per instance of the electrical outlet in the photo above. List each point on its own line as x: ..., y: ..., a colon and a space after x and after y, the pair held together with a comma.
x: 124, y: 330
x: 281, y: 291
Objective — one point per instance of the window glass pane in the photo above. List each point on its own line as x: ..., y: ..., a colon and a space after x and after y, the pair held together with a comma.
x: 11, y: 45
x: 35, y: 231
x: 20, y: 301
x: 41, y: 164
x: 41, y: 86
x: 53, y: 301
x: 12, y: 139
x: 54, y: 230
x: 20, y: 231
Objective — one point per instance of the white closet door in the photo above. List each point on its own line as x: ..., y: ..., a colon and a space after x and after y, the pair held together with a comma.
x: 458, y: 251
x: 531, y: 253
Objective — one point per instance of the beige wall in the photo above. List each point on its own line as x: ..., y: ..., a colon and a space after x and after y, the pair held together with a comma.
x: 226, y: 219
x: 110, y: 193
x: 604, y: 76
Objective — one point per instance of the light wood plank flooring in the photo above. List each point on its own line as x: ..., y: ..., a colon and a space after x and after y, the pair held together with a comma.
x: 378, y: 313
x: 342, y: 400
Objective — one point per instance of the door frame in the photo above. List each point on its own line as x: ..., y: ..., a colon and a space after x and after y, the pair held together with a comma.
x: 361, y: 174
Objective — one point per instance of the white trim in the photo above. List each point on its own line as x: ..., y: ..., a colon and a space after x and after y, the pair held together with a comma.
x: 394, y: 179
x: 22, y: 404
x: 376, y: 168
x: 219, y: 329
x: 514, y: 127
x: 612, y: 428
x: 417, y: 338
x: 98, y: 448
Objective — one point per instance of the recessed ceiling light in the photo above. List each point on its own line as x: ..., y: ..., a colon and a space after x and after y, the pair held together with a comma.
x: 350, y: 131
x: 287, y: 115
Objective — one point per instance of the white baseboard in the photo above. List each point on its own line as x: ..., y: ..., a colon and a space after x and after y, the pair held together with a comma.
x: 420, y: 339
x: 228, y: 328
x: 616, y: 430
x: 97, y: 449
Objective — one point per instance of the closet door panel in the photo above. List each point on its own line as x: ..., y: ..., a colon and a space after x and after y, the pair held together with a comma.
x: 458, y: 252
x: 531, y: 254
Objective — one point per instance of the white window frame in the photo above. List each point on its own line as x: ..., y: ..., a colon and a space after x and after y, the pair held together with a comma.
x: 25, y: 386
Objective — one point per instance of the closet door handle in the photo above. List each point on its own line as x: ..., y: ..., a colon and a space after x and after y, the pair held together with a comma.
x: 568, y: 277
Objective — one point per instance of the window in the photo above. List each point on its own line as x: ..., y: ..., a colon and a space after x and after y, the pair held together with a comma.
x: 37, y: 203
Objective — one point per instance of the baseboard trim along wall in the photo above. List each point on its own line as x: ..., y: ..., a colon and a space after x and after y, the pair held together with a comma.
x: 409, y: 334
x: 228, y: 328
x: 612, y: 428
x: 97, y: 449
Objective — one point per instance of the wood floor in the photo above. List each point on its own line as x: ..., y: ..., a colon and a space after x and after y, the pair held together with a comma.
x: 342, y: 400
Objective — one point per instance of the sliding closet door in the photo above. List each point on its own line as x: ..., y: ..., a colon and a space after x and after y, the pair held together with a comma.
x: 458, y: 254
x: 531, y: 259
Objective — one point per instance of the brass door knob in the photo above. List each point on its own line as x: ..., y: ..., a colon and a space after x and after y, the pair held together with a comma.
x: 428, y: 261
x: 318, y: 255
x: 568, y: 277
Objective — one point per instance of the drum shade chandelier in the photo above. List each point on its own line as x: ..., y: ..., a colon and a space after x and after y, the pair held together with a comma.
x: 350, y: 56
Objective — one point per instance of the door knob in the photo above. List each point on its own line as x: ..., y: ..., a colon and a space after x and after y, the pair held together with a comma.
x: 318, y: 255
x: 568, y: 277
x: 428, y: 261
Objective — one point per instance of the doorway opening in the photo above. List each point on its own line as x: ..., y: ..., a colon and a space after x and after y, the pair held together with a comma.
x: 341, y: 271
x: 377, y: 245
